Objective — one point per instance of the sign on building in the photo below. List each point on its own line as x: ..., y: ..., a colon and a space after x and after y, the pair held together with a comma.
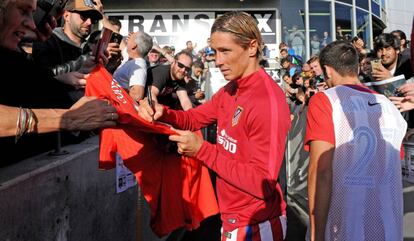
x: 176, y: 28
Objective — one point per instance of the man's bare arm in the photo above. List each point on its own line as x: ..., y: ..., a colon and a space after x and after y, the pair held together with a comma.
x: 319, y: 186
x: 137, y: 92
x: 184, y: 99
x: 88, y: 113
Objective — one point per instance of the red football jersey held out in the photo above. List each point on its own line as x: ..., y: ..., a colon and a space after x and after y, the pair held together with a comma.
x: 177, y: 188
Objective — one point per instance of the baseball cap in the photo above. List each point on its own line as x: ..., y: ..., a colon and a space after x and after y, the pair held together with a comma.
x: 83, y: 6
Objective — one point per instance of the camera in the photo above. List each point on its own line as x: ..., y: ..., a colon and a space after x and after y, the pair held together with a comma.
x: 46, y: 9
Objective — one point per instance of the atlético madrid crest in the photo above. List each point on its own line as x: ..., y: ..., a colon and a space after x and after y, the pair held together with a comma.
x: 236, y: 116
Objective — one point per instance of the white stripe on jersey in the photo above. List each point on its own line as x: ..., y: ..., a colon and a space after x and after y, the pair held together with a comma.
x: 283, y: 222
x: 265, y: 231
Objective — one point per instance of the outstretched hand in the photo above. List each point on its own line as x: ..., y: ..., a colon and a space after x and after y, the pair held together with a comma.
x: 407, y: 89
x: 89, y: 113
x: 381, y: 73
x: 403, y: 103
x: 188, y: 142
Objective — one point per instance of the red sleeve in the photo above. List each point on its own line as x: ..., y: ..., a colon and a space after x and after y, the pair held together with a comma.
x: 193, y: 119
x: 319, y: 124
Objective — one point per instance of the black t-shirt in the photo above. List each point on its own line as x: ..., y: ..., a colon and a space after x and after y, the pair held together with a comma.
x: 191, y: 88
x: 25, y: 84
x: 160, y: 77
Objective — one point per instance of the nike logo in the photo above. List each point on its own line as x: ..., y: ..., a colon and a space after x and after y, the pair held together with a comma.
x: 373, y: 103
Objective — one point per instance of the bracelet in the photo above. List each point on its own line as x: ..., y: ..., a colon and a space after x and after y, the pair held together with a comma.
x: 26, y: 122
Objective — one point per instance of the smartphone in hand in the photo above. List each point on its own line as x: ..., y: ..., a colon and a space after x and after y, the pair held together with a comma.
x: 102, y: 43
x: 376, y: 64
x: 116, y: 38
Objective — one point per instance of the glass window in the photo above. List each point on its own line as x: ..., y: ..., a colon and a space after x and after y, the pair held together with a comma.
x: 346, y: 1
x: 343, y: 16
x: 293, y: 26
x: 362, y: 4
x: 375, y: 8
x: 363, y: 26
x: 319, y: 25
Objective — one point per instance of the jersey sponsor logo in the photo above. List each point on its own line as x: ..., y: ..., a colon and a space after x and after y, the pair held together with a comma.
x: 232, y: 220
x: 360, y: 104
x: 373, y: 103
x: 236, y: 116
x: 227, y: 234
x: 117, y: 89
x: 228, y: 143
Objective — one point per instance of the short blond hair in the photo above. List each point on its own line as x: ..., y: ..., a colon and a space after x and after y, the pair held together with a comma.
x: 243, y: 26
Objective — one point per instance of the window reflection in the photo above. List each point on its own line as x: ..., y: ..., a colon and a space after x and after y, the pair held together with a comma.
x: 343, y: 22
x: 320, y: 25
x: 363, y: 27
x: 383, y: 4
x: 346, y: 1
x: 375, y: 8
x: 362, y: 4
x: 293, y: 30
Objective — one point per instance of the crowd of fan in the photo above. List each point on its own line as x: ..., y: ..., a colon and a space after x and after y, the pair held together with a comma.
x: 141, y: 66
x: 48, y: 95
x: 301, y: 80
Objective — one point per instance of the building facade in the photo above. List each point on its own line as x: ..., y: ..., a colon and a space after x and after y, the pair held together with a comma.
x: 305, y: 25
x: 324, y: 21
x: 399, y: 15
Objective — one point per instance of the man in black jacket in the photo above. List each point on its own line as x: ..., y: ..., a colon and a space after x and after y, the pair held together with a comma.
x: 67, y: 51
x: 32, y: 102
x: 387, y: 48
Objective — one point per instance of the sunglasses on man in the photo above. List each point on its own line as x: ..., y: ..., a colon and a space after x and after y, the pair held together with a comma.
x: 182, y: 66
x: 84, y: 16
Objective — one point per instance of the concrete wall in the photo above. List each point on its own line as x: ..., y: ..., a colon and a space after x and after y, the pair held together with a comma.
x: 400, y: 15
x: 65, y: 198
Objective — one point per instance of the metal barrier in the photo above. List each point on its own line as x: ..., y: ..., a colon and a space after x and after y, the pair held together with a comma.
x: 297, y: 160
